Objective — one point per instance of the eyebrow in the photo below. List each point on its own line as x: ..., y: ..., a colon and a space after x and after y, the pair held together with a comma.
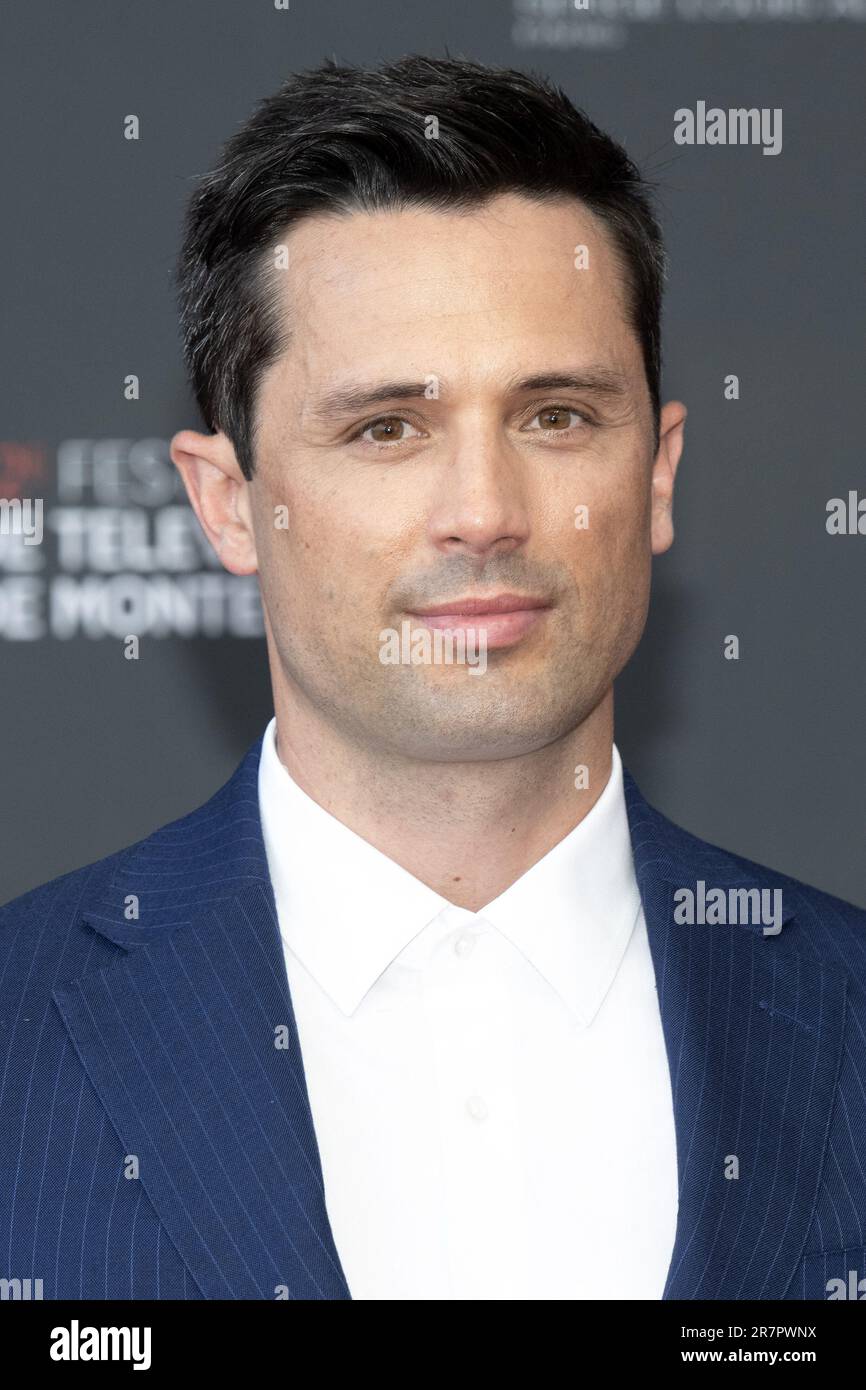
x: 598, y: 381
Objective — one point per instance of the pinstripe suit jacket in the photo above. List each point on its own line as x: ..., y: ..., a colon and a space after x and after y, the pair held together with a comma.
x: 156, y: 1143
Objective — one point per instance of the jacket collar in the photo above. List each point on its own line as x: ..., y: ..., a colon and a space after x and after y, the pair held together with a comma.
x: 189, y: 1039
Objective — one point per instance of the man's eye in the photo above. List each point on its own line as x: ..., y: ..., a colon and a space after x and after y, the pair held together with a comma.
x: 386, y: 430
x: 556, y: 418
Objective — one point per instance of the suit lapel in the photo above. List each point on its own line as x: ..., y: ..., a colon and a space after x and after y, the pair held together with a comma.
x: 753, y: 1034
x: 189, y: 1039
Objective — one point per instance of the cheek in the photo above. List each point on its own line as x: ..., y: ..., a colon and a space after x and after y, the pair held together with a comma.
x: 620, y: 513
x: 609, y: 557
x: 606, y: 490
x: 605, y: 532
x: 289, y: 542
x: 336, y: 562
x: 622, y: 535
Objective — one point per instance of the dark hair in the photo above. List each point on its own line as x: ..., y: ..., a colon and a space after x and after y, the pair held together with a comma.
x: 342, y: 139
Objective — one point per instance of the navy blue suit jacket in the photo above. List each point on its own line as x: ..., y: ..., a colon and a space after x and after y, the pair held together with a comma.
x: 156, y: 1143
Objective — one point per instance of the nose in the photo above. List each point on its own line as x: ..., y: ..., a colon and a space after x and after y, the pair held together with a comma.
x: 482, y: 505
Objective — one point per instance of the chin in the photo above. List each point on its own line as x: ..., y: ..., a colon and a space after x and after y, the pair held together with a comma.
x: 482, y: 737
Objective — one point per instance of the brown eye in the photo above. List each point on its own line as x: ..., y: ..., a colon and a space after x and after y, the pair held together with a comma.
x: 386, y: 430
x: 556, y: 417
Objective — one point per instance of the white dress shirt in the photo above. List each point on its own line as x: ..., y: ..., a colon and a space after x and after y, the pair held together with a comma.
x: 490, y: 1090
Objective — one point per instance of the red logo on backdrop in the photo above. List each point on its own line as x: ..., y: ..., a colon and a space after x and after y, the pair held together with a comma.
x: 21, y: 465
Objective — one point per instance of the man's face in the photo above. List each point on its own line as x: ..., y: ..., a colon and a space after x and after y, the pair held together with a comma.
x: 476, y: 488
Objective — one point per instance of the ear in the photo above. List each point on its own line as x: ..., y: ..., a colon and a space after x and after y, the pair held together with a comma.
x: 219, y: 495
x: 671, y: 423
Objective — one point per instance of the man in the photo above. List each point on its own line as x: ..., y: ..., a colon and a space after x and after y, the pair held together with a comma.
x: 427, y: 1001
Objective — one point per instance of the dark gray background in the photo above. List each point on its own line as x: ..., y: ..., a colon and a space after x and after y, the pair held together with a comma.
x: 764, y: 756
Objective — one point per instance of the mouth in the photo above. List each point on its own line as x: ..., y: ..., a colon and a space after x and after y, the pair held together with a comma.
x: 498, y: 620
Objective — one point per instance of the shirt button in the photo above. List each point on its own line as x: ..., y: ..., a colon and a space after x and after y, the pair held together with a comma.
x: 464, y: 945
x: 476, y: 1108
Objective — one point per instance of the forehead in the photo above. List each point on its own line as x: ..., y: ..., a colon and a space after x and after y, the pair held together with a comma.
x: 454, y: 291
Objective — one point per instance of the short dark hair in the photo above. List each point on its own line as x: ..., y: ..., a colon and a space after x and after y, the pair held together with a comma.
x: 344, y: 139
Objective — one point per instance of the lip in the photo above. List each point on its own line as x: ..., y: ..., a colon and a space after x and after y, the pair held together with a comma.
x: 473, y: 607
x: 499, y: 621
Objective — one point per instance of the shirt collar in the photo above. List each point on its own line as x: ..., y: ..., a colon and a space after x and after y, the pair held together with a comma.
x: 571, y: 914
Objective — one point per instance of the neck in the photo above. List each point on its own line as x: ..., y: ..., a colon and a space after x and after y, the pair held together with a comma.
x: 466, y: 829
